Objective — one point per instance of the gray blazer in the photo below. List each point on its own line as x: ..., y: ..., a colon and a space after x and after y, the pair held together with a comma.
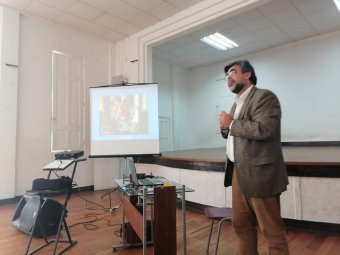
x: 259, y: 161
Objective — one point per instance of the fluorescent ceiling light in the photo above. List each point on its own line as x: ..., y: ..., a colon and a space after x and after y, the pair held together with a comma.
x: 219, y: 41
x: 337, y: 3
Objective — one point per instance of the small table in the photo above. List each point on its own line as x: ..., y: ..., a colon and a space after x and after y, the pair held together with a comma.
x: 164, y: 206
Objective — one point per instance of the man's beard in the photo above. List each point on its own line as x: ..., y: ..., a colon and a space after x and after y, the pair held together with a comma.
x: 237, y: 88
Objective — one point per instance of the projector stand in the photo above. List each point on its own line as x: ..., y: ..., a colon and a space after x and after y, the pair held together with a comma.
x: 55, y: 165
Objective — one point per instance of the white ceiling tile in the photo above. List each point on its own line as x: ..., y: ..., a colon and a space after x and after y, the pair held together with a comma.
x: 328, y: 25
x: 310, y: 6
x: 299, y: 34
x: 184, y: 40
x: 18, y: 4
x: 145, y: 5
x: 186, y: 58
x: 239, y: 35
x: 127, y: 29
x: 297, y: 31
x: 144, y: 20
x: 238, y: 51
x: 42, y: 10
x: 113, y: 36
x: 125, y: 11
x: 109, y: 21
x: 60, y: 4
x: 180, y: 51
x: 293, y: 23
x: 164, y: 11
x: 257, y: 24
x: 323, y: 15
x: 193, y: 56
x: 207, y: 51
x: 195, y: 46
x: 276, y: 7
x: 247, y: 16
x: 103, y: 5
x: 224, y: 25
x: 254, y: 46
x: 284, y: 16
x: 203, y: 32
x: 70, y: 20
x: 273, y: 36
x: 168, y: 47
x: 95, y: 29
x: 85, y: 11
x: 276, y: 40
x: 271, y: 31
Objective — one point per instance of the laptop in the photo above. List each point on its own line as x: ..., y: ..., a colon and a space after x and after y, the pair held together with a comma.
x: 141, y: 182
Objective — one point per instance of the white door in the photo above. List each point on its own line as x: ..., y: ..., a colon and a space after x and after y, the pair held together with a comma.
x: 165, y: 134
x: 68, y: 102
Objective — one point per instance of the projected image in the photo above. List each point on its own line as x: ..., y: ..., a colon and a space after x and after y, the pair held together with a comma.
x: 123, y: 114
x: 124, y: 120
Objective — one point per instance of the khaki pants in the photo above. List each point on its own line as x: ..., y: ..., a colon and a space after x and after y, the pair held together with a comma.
x: 250, y: 213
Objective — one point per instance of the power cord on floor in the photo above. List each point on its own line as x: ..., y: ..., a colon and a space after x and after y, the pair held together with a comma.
x: 99, y: 206
x: 89, y: 223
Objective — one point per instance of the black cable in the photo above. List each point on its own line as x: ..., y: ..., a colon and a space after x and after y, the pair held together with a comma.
x: 94, y: 203
x: 89, y: 224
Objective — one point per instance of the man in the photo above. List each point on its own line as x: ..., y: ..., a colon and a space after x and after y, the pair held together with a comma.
x: 255, y: 166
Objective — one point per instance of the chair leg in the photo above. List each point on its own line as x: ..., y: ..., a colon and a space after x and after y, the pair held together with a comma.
x: 211, y: 227
x: 219, y: 232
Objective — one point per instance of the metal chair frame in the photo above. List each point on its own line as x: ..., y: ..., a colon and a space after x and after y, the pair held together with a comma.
x: 221, y: 221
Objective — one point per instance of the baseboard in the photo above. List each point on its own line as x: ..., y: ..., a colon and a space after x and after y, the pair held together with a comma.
x: 84, y: 189
x: 302, y: 225
x: 322, y: 227
x: 15, y: 200
x: 8, y: 201
x: 192, y: 206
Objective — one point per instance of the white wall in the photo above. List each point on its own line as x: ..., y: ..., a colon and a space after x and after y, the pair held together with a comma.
x: 302, y: 74
x: 173, y: 95
x: 9, y: 48
x: 164, y: 77
x: 37, y: 40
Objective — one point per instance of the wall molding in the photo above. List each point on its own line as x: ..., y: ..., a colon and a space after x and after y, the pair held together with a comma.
x: 291, y: 224
x: 312, y: 144
x: 301, y: 169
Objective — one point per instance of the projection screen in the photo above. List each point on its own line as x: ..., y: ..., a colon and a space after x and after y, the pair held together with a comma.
x: 124, y: 120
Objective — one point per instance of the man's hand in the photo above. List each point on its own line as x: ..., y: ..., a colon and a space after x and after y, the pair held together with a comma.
x: 225, y: 120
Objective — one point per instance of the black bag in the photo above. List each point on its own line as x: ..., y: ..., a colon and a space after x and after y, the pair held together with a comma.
x: 52, y: 184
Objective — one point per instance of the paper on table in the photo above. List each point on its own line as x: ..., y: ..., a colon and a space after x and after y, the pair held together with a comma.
x: 58, y: 164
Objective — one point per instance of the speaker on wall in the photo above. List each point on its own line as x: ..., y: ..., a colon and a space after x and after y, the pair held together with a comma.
x: 27, y: 211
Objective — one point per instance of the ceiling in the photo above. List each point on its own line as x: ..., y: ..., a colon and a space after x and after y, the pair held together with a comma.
x: 275, y: 23
x: 109, y: 19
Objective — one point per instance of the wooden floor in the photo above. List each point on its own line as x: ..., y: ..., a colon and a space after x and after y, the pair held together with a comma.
x: 97, y: 238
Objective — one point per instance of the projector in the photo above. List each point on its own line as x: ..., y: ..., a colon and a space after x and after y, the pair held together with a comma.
x: 69, y: 154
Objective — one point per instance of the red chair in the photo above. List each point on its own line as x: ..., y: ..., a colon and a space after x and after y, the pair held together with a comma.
x: 214, y: 213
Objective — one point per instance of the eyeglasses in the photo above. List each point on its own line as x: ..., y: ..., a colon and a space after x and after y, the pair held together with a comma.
x: 229, y: 74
